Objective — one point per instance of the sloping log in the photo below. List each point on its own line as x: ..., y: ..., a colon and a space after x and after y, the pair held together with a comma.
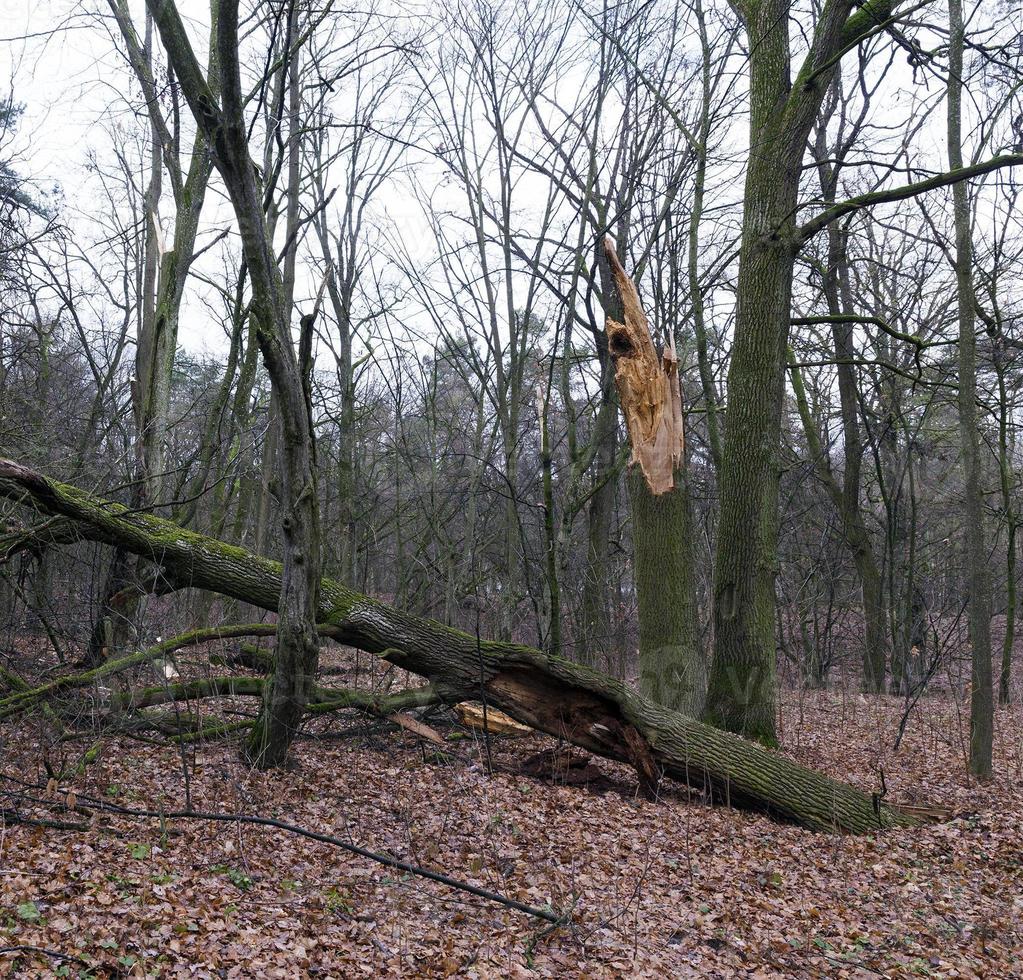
x: 572, y: 702
x: 26, y: 697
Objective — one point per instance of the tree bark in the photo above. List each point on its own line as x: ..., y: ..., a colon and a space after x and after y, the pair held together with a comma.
x: 548, y: 693
x: 593, y: 643
x: 978, y: 584
x: 741, y: 691
x: 225, y: 129
x: 1009, y: 509
x: 672, y: 669
x: 854, y: 525
x: 671, y: 666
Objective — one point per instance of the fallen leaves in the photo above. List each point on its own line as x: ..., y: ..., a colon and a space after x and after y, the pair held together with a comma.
x: 669, y: 888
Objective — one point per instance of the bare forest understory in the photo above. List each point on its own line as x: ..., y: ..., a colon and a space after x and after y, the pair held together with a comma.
x: 511, y: 489
x: 647, y: 888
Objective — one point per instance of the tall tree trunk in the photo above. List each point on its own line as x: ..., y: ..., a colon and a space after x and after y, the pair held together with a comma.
x: 593, y: 635
x: 164, y: 276
x: 671, y: 666
x: 741, y: 690
x: 978, y: 583
x: 854, y: 525
x: 297, y: 649
x: 846, y: 500
x: 1004, y: 471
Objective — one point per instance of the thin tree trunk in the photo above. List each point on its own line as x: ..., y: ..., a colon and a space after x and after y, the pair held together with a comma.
x: 846, y: 500
x: 593, y: 635
x: 710, y: 397
x: 1005, y: 481
x: 552, y: 634
x: 851, y: 510
x: 978, y: 583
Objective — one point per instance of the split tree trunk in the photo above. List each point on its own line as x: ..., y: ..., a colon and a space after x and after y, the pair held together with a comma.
x: 548, y: 693
x: 672, y: 671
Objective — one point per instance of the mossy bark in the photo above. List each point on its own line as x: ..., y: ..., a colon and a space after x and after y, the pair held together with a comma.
x: 672, y: 669
x: 742, y: 689
x: 553, y: 695
x: 26, y: 697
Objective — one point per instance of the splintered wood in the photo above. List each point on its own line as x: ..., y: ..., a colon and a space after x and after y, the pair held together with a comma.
x: 648, y: 386
x: 497, y: 722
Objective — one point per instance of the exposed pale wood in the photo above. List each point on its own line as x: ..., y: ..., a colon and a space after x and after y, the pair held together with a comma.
x: 497, y: 722
x: 416, y: 727
x: 648, y: 386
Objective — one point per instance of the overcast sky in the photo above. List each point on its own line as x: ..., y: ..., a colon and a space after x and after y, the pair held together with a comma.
x: 61, y: 65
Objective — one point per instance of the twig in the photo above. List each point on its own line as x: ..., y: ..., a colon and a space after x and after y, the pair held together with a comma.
x: 548, y: 914
x: 54, y: 953
x: 12, y: 817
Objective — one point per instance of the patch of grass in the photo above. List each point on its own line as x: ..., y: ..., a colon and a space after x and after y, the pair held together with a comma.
x: 339, y: 900
x: 28, y: 912
x: 236, y: 876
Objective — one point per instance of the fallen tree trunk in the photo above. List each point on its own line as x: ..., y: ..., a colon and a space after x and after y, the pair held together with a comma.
x: 388, y: 707
x: 564, y: 699
x: 25, y: 697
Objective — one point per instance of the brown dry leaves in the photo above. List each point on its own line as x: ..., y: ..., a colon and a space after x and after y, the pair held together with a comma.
x: 669, y: 889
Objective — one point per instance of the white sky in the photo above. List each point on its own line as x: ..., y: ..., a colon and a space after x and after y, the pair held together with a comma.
x: 73, y: 85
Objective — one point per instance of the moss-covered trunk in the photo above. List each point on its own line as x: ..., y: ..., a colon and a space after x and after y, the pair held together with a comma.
x: 672, y: 669
x: 741, y: 690
x: 565, y: 699
x: 671, y: 666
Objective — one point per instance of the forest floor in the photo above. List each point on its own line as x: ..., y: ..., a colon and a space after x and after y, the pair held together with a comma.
x: 672, y: 888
